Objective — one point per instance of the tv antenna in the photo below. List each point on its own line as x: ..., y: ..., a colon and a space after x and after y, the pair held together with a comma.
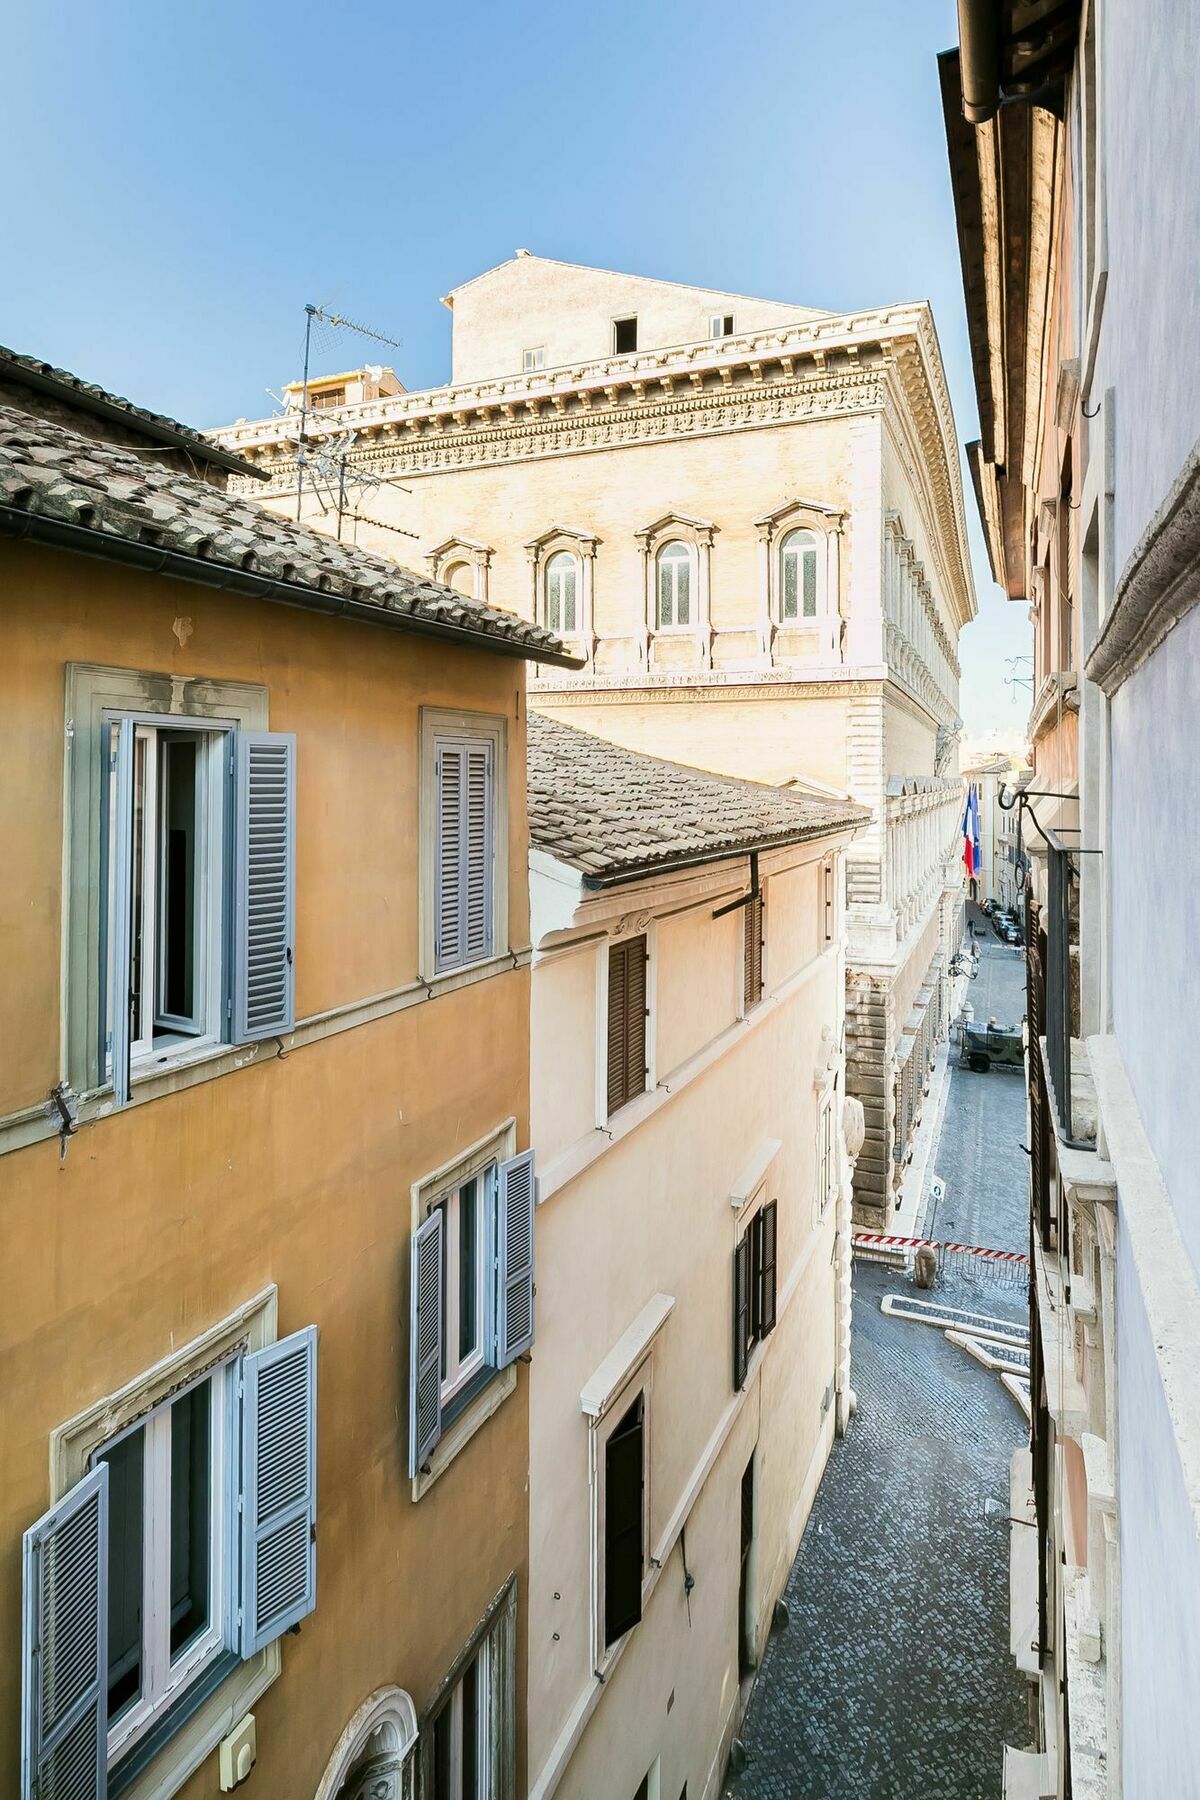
x: 338, y: 321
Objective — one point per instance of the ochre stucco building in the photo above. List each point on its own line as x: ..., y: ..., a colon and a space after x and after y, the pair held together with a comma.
x: 746, y: 517
x: 265, y: 1029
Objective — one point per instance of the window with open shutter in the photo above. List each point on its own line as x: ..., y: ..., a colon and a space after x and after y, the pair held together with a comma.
x: 464, y: 853
x: 118, y: 858
x: 279, y: 1488
x: 741, y: 1312
x: 624, y: 1550
x: 626, y: 1021
x: 516, y: 1194
x: 766, y: 1276
x: 752, y: 953
x: 425, y: 1342
x: 264, y: 988
x: 65, y: 1636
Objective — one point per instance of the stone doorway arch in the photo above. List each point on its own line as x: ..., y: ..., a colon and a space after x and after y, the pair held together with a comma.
x: 373, y: 1760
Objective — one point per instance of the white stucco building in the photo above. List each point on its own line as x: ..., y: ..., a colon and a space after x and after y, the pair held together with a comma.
x: 692, y: 1360
x: 1084, y: 309
x: 746, y: 517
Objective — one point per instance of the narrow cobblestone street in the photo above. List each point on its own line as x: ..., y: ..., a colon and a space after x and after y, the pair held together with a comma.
x: 893, y: 1680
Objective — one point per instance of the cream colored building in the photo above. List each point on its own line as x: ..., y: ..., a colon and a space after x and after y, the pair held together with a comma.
x: 1000, y: 844
x: 692, y: 1356
x: 746, y: 516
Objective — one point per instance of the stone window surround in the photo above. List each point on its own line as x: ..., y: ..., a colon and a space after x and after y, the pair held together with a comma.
x: 455, y: 550
x: 374, y: 1754
x: 251, y: 1327
x: 827, y: 523
x: 583, y: 546
x: 697, y: 534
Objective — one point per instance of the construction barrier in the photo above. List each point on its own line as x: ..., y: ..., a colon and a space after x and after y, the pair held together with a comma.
x: 1010, y: 1268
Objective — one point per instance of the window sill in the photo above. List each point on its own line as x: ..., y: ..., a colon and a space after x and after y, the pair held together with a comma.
x: 161, y: 1772
x: 472, y: 1411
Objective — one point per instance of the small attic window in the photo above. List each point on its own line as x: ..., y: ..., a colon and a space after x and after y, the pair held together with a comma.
x: 625, y: 336
x: 532, y: 360
x: 720, y: 325
x: 327, y: 397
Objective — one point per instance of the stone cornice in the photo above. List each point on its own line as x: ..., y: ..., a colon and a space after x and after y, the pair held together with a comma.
x: 820, y: 368
x: 700, y: 685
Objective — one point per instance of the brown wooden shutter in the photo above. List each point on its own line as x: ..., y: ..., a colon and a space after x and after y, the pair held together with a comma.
x: 626, y: 1021
x: 752, y: 958
x: 741, y: 1311
x: 624, y: 1556
x: 767, y: 1279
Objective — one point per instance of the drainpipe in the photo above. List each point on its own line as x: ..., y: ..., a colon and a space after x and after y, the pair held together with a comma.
x: 853, y: 1125
x: 979, y: 59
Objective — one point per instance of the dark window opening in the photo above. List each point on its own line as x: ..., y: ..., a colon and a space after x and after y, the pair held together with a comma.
x: 746, y: 1544
x: 126, y: 1577
x: 624, y: 336
x: 624, y: 1482
x: 755, y: 1283
x: 191, y: 1524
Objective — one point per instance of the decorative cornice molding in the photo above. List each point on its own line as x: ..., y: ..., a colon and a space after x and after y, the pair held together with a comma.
x: 698, y: 684
x: 1159, y: 584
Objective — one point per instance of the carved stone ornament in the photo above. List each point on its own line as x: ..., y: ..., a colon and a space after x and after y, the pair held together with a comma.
x: 854, y: 1126
x: 630, y: 924
x: 828, y: 1059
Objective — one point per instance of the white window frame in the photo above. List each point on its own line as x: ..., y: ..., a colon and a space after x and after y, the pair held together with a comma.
x: 94, y: 695
x: 495, y: 1638
x: 640, y: 1381
x: 72, y: 1446
x: 461, y: 1371
x: 717, y: 324
x: 813, y: 543
x: 664, y: 556
x: 533, y: 359
x: 165, y: 1681
x: 563, y: 555
x: 169, y: 1040
x: 436, y: 724
x: 490, y: 1151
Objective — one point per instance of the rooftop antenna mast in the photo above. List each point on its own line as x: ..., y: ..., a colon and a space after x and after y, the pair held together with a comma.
x: 312, y: 312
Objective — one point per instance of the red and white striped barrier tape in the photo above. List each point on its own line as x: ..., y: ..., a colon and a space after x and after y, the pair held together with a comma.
x: 879, y: 1240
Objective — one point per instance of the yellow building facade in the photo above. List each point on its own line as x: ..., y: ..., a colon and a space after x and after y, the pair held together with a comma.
x: 224, y: 1491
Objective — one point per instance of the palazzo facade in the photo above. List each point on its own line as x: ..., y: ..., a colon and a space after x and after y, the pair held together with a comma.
x: 746, y: 518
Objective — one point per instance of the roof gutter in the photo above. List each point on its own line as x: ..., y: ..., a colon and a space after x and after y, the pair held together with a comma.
x: 82, y: 540
x: 646, y: 871
x: 200, y: 447
x: 979, y: 59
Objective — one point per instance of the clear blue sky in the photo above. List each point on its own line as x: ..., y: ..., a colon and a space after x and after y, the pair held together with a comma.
x: 185, y: 174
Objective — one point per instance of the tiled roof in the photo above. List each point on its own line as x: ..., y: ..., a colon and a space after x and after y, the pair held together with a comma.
x: 43, y: 377
x: 614, y: 813
x: 60, y: 487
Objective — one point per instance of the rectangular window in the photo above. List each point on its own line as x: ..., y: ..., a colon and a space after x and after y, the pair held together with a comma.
x: 746, y: 1522
x: 461, y: 1750
x: 627, y: 1071
x: 720, y: 325
x: 165, y: 832
x: 324, y: 398
x: 466, y: 1261
x: 170, y: 1541
x: 753, y: 927
x: 754, y: 1287
x: 825, y: 1157
x: 625, y: 336
x: 624, y: 1520
x: 532, y: 360
x: 464, y: 856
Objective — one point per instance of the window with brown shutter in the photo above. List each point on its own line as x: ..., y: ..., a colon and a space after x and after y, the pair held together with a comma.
x: 752, y: 954
x: 755, y: 1287
x: 626, y: 1021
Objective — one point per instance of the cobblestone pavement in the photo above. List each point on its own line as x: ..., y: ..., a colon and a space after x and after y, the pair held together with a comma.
x: 979, y: 1159
x: 893, y: 1680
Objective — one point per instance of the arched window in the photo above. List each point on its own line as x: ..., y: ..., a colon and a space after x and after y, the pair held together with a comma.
x: 458, y: 576
x: 674, y: 562
x: 562, y: 590
x: 798, y: 576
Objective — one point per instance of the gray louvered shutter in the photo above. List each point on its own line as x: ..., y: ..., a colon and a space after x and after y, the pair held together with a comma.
x: 516, y: 1197
x: 768, y: 1273
x: 116, y: 950
x: 279, y: 1488
x: 448, y: 884
x: 478, y: 854
x: 425, y: 1342
x: 264, y: 975
x: 64, y: 1710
